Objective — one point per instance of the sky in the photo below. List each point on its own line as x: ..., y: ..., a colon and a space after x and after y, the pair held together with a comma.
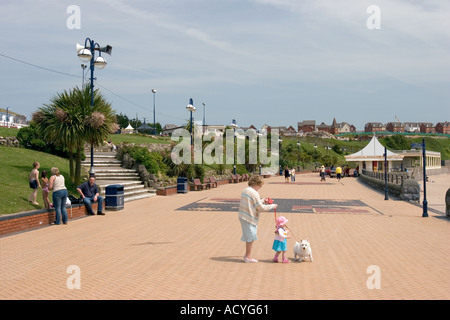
x: 274, y: 62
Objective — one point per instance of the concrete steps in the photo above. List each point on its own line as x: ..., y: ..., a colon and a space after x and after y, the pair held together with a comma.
x: 108, y: 171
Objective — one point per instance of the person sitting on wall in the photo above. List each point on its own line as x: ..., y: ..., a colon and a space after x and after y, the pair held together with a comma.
x: 89, y: 192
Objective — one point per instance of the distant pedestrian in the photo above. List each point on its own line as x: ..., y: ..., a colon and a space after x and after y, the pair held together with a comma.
x: 59, y: 196
x: 339, y: 173
x: 249, y: 209
x: 286, y: 174
x: 323, y: 173
x: 34, y: 183
x: 293, y: 175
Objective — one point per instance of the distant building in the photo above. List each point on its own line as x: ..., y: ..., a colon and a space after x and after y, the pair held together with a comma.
x: 128, y: 130
x: 427, y: 127
x: 145, y: 128
x: 252, y: 127
x: 290, y: 132
x: 306, y: 126
x: 280, y: 129
x: 264, y: 129
x: 371, y: 158
x: 323, y: 127
x: 374, y: 127
x: 168, y: 129
x: 412, y: 127
x: 443, y: 127
x: 12, y: 119
x: 216, y: 128
x: 344, y: 127
x: 395, y: 127
x: 335, y: 127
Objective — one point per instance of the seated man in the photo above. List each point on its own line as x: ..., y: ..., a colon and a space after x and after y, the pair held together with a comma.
x: 89, y: 192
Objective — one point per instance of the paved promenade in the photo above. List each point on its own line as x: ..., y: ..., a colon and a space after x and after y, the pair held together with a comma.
x: 188, y: 246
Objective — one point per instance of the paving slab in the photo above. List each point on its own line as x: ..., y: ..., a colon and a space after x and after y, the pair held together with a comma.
x: 187, y: 247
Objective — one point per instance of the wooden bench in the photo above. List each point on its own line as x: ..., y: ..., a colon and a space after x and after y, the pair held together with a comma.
x: 245, y: 177
x: 200, y: 186
x: 233, y: 179
x: 212, y: 182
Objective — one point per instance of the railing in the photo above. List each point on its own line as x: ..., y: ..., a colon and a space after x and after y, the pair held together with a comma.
x: 392, y: 177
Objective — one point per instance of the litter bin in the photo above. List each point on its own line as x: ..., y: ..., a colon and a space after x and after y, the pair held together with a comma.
x: 114, y: 197
x: 182, y: 185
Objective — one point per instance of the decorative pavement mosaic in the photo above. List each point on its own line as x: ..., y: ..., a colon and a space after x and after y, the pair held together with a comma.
x: 317, y: 206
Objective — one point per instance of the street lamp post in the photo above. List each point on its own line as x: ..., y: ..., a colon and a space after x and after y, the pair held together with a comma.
x: 190, y: 107
x: 154, y: 108
x: 386, y: 197
x: 298, y: 156
x: 83, y: 67
x: 86, y: 53
x: 204, y: 117
x: 315, y: 155
x: 280, y: 144
x: 234, y: 126
x: 7, y: 117
x: 425, y: 202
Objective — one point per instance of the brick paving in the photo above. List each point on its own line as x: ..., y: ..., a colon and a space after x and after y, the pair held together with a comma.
x: 177, y: 247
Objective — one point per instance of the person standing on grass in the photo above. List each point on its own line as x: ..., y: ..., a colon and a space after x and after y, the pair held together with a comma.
x: 249, y: 209
x: 45, y: 191
x: 33, y: 180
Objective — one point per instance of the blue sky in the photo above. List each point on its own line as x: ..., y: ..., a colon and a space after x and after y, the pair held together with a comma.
x: 272, y: 62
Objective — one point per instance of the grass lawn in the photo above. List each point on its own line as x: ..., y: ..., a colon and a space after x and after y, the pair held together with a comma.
x: 15, y: 167
x: 8, y: 132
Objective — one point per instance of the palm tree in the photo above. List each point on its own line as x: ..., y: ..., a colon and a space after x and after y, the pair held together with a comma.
x: 99, y: 119
x: 58, y: 121
x: 70, y: 121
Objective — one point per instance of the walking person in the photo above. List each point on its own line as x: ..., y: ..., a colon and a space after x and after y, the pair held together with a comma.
x: 293, y: 175
x: 322, y: 173
x: 338, y: 173
x: 249, y: 209
x: 280, y: 242
x: 286, y: 174
x: 59, y: 196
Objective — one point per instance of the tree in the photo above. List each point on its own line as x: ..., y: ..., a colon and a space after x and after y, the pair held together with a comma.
x: 70, y: 120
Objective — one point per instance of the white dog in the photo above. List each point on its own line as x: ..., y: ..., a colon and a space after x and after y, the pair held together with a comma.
x: 302, y: 249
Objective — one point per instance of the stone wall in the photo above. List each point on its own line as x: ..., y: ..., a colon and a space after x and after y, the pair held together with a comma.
x: 409, y: 190
x: 9, y: 141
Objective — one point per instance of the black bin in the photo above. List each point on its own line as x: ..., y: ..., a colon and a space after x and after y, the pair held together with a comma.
x: 182, y: 185
x: 114, y: 197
